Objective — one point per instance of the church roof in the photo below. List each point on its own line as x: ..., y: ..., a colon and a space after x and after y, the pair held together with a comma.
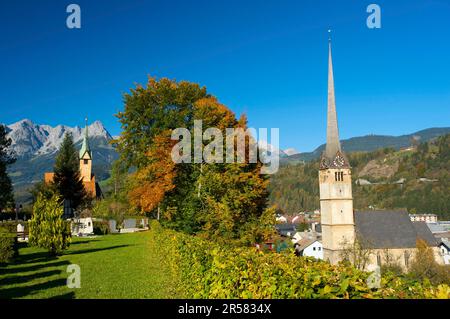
x: 391, y: 229
x: 85, y: 146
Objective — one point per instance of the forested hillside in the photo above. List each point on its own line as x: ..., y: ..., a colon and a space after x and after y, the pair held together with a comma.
x: 415, y: 179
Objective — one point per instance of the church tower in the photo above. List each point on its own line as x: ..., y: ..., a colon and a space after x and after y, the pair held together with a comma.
x: 335, y: 180
x: 86, y: 158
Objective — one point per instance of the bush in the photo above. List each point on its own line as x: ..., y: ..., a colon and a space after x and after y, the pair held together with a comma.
x: 425, y: 267
x: 8, y: 245
x: 47, y: 228
x: 101, y: 227
x: 205, y: 269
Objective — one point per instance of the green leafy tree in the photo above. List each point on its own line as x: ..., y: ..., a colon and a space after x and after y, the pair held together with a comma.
x: 47, y: 228
x: 6, y: 158
x: 67, y: 178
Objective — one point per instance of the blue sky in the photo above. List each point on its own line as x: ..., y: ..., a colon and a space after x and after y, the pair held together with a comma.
x: 265, y: 58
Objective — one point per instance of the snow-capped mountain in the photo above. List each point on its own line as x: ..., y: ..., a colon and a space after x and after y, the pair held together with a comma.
x: 36, y: 146
x: 270, y: 149
x: 291, y: 151
x: 30, y: 139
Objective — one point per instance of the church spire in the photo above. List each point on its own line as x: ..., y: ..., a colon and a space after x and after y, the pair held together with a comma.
x: 333, y: 146
x: 85, y: 147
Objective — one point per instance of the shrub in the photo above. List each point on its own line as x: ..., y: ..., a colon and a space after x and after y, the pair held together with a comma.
x: 425, y: 267
x: 47, y: 228
x: 101, y: 227
x: 205, y: 269
x: 8, y: 245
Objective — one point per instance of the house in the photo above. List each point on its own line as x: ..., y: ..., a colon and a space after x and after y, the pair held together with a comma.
x: 309, y: 248
x: 286, y: 230
x: 444, y: 248
x: 428, y: 218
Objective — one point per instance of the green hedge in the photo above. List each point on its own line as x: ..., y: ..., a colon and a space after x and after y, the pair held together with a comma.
x: 101, y: 227
x: 8, y: 245
x: 206, y: 270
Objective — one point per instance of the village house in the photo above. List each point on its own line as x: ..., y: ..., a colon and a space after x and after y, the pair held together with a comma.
x: 309, y: 248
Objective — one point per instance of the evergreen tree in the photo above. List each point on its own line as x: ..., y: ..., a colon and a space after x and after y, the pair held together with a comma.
x: 6, y: 158
x: 47, y: 228
x: 67, y: 173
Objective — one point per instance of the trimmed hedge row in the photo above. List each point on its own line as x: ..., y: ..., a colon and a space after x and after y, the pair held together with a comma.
x: 206, y: 270
x: 101, y: 227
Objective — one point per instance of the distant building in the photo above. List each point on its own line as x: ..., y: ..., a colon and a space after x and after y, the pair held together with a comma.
x: 428, y: 218
x: 281, y: 219
x: 88, y: 178
x: 286, y: 230
x: 309, y: 248
x: 444, y: 247
x: 439, y: 227
x: 82, y: 226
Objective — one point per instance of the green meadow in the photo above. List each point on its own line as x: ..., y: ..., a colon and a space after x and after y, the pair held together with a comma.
x: 112, y: 266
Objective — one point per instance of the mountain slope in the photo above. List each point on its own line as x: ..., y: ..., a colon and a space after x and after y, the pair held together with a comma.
x: 416, y: 179
x: 370, y: 143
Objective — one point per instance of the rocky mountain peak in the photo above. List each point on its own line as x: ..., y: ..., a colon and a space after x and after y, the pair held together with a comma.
x: 29, y: 139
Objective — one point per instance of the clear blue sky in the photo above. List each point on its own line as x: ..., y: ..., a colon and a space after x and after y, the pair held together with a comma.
x: 265, y: 58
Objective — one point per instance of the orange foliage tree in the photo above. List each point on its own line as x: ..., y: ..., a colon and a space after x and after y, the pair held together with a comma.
x: 153, y: 181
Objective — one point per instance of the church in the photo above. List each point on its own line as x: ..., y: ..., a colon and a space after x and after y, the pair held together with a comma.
x: 85, y: 155
x: 385, y: 234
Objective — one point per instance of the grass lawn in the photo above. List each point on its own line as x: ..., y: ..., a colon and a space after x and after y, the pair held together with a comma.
x: 112, y: 266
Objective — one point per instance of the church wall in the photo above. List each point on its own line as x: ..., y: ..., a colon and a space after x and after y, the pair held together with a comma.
x: 397, y: 256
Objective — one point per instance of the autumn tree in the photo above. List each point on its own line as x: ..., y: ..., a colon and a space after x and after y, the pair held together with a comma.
x: 151, y: 182
x: 218, y: 199
x: 424, y: 265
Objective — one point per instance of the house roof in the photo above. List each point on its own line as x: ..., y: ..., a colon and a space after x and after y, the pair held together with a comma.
x: 304, y: 243
x: 391, y: 229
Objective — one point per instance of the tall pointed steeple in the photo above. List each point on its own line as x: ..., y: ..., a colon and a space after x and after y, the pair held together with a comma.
x: 333, y: 146
x: 85, y: 147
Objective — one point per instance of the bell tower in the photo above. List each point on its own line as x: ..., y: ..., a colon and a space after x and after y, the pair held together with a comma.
x: 335, y: 181
x: 86, y: 158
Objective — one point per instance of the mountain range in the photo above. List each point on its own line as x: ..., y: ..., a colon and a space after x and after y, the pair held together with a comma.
x: 36, y: 146
x: 370, y: 143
